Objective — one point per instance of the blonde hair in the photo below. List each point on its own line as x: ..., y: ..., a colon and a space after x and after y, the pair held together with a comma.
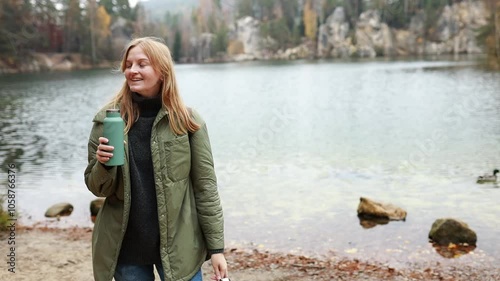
x: 179, y: 117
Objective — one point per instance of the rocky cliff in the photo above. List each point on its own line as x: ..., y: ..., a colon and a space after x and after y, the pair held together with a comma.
x: 454, y: 33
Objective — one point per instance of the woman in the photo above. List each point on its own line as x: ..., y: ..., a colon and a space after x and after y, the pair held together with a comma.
x: 162, y: 206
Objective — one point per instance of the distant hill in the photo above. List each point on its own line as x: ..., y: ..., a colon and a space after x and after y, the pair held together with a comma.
x: 158, y: 8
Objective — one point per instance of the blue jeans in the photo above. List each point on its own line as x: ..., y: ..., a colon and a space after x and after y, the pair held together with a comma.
x: 132, y: 272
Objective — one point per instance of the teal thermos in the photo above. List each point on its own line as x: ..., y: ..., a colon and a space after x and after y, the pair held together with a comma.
x: 113, y: 131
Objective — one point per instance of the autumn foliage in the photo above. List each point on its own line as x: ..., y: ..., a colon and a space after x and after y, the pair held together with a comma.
x: 310, y: 20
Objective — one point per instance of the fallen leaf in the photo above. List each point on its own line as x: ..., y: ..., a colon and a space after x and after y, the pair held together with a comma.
x: 351, y: 251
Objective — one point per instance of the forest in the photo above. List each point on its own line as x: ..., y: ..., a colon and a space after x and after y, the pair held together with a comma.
x: 98, y: 29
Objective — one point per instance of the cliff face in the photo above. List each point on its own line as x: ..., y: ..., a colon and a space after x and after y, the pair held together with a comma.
x: 454, y: 33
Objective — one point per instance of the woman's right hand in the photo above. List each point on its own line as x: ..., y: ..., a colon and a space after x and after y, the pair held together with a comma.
x: 104, y: 152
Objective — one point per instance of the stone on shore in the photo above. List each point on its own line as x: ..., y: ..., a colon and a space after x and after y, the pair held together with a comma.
x: 95, y: 206
x: 448, y: 230
x: 59, y: 210
x: 368, y: 208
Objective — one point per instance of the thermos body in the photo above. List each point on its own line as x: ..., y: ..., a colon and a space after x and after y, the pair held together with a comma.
x: 114, y: 127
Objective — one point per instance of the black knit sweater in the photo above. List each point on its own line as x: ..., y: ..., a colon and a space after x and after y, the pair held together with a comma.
x: 141, y: 244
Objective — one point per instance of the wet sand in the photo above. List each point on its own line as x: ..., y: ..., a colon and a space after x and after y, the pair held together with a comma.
x: 65, y: 254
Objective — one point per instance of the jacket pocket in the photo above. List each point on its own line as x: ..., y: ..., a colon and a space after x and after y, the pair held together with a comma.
x: 178, y: 154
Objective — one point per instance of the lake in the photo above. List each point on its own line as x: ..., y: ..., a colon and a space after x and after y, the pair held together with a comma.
x: 296, y: 145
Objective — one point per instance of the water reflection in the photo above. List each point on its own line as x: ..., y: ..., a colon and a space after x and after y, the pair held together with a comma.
x: 295, y: 146
x: 453, y: 251
x: 371, y: 222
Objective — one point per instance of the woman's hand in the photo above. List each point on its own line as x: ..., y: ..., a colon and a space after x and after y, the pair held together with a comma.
x: 104, y: 152
x: 220, y: 266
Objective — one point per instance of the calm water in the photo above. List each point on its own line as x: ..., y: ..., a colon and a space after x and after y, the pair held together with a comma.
x: 295, y: 146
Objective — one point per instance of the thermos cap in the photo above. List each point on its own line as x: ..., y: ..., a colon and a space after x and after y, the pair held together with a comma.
x: 112, y: 112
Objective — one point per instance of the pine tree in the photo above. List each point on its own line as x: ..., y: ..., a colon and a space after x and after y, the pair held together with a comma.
x: 176, y: 52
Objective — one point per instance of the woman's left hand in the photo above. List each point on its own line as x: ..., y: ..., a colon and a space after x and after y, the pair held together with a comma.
x: 220, y: 266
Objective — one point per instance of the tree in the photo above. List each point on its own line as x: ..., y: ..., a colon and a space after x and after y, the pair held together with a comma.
x: 489, y: 35
x: 266, y: 9
x: 17, y: 33
x: 49, y: 35
x: 72, y: 26
x: 220, y: 43
x: 310, y: 20
x: 91, y: 14
x: 328, y: 6
x: 103, y: 33
x: 290, y: 11
x: 176, y: 52
x: 119, y: 8
x: 245, y: 8
x: 278, y: 30
x: 432, y: 9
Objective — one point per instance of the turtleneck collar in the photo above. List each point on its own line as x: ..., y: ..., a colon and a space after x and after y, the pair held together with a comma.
x: 148, y: 107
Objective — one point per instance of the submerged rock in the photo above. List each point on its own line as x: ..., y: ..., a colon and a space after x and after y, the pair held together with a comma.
x: 59, y: 210
x: 448, y: 230
x: 368, y: 208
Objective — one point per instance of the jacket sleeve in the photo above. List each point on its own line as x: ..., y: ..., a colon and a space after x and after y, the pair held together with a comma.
x: 204, y: 182
x: 102, y: 182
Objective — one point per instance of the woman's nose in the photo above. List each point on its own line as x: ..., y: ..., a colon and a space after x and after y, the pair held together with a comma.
x: 133, y: 68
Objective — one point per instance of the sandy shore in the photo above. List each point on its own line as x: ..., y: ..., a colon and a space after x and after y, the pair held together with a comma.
x: 65, y: 254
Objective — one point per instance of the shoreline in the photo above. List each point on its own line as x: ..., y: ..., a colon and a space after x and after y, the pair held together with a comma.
x: 65, y: 253
x: 62, y: 65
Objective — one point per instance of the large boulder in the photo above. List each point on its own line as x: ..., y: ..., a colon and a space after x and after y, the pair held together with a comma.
x: 333, y: 36
x: 303, y: 51
x: 404, y: 42
x: 373, y: 37
x: 457, y: 27
x: 247, y: 31
x: 59, y: 210
x: 448, y: 230
x: 368, y: 208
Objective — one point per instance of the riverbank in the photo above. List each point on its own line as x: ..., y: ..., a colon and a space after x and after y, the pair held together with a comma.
x: 67, y: 62
x: 48, y: 253
x: 49, y: 62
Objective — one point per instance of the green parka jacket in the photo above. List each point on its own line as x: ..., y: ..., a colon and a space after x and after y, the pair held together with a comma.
x: 189, y: 209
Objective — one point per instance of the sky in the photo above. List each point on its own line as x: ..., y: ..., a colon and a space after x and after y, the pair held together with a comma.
x: 132, y: 3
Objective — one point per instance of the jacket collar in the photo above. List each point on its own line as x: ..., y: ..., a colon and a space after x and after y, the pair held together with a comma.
x: 99, y: 117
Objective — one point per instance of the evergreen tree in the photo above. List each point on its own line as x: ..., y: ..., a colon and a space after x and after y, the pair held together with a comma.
x: 17, y: 32
x: 245, y: 8
x: 118, y: 8
x: 177, y: 49
x: 73, y: 27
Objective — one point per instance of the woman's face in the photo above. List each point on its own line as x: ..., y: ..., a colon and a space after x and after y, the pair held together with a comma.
x: 140, y: 75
